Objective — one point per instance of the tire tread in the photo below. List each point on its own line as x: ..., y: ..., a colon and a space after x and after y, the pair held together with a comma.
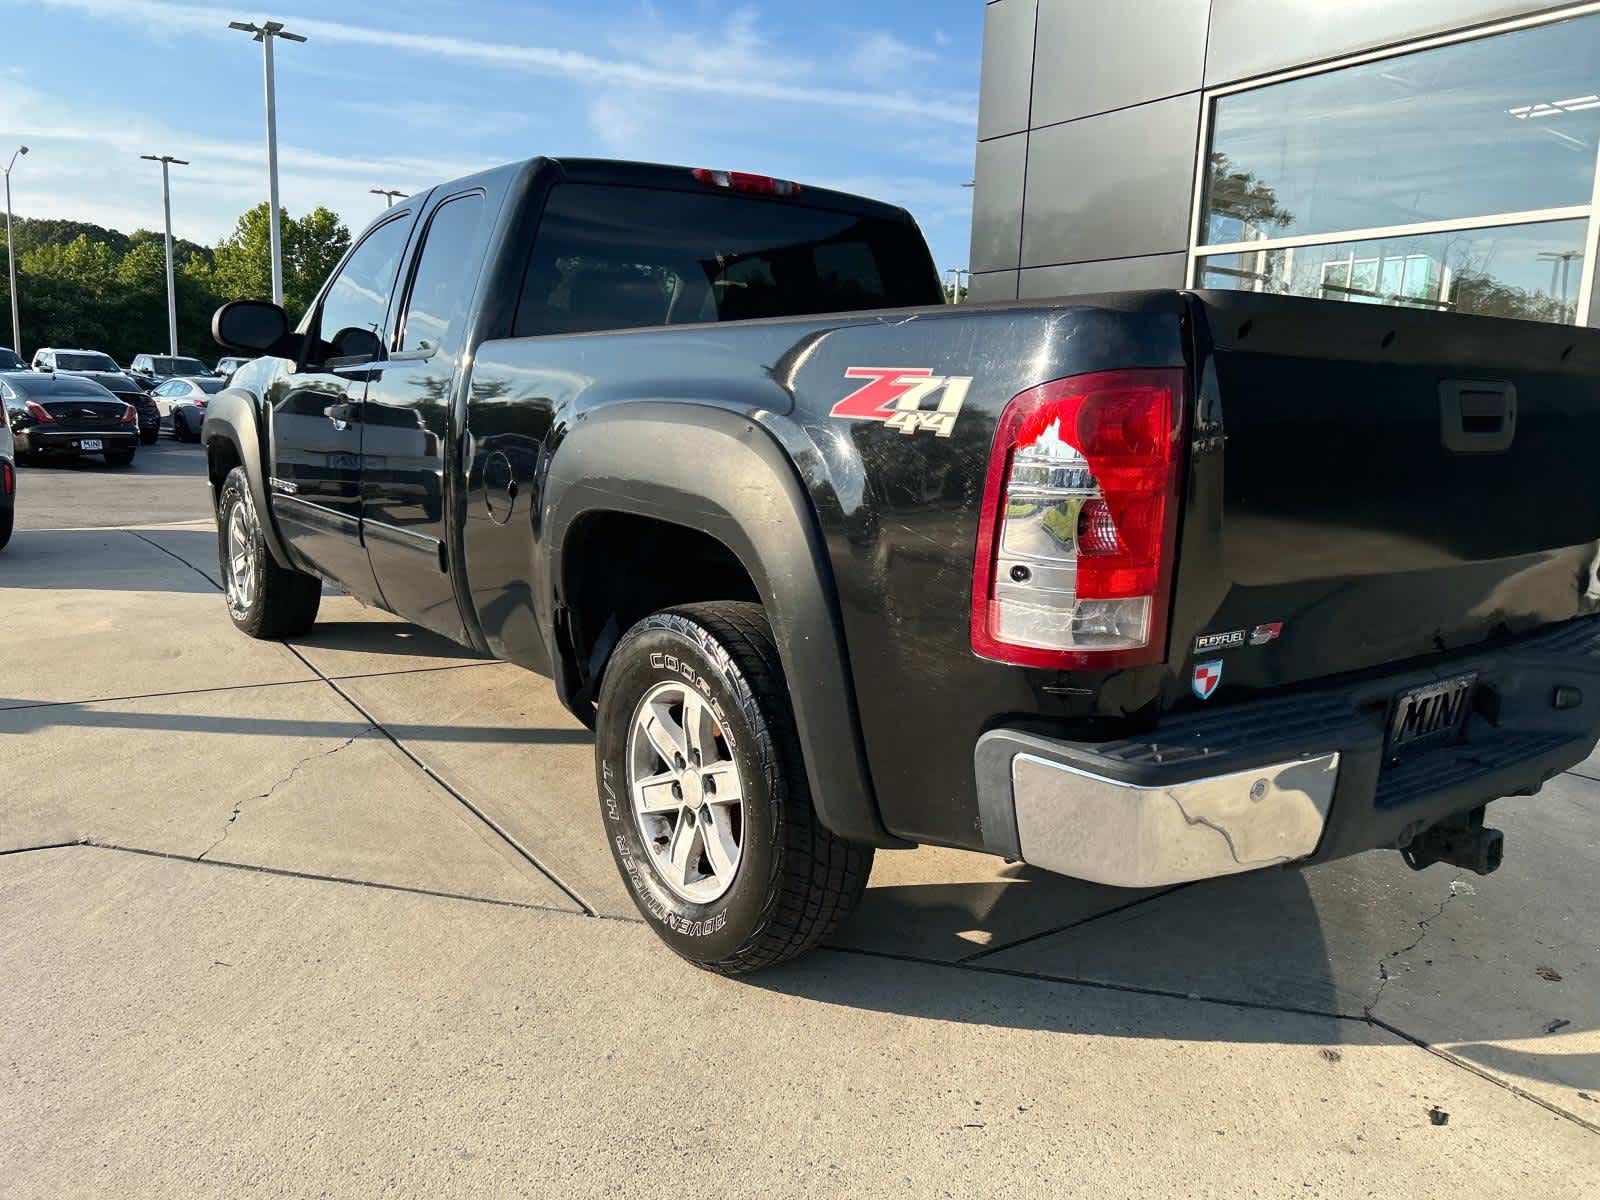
x: 818, y: 877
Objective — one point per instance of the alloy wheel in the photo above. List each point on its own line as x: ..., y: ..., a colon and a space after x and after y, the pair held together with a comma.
x: 688, y: 798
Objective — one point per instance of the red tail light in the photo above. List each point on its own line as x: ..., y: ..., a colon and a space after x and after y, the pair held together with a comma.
x: 740, y: 181
x: 1079, y: 523
x: 39, y: 413
x: 129, y: 414
x: 8, y: 479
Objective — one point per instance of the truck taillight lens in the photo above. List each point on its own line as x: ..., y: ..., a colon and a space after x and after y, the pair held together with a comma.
x: 1079, y: 523
x: 8, y: 479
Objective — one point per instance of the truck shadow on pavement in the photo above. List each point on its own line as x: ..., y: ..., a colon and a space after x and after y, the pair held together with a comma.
x: 1250, y: 958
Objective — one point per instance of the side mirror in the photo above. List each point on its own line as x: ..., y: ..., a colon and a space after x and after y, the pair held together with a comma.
x: 354, y: 345
x: 257, y: 326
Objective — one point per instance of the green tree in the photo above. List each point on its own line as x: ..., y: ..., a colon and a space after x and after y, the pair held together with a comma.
x: 90, y: 265
x: 84, y: 285
x: 312, y: 244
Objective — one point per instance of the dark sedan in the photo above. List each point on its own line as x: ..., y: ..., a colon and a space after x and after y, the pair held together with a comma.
x: 102, y: 368
x: 68, y: 415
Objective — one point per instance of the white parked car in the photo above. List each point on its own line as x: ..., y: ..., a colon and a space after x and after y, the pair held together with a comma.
x: 182, y: 403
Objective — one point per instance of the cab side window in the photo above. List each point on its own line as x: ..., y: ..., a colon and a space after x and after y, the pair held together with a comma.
x: 445, y: 274
x: 353, y: 309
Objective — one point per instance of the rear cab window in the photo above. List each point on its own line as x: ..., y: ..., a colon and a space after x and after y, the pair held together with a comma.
x: 617, y: 257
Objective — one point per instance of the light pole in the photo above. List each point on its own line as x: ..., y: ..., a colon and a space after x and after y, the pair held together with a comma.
x: 390, y: 195
x: 11, y: 255
x: 265, y: 33
x: 166, y: 160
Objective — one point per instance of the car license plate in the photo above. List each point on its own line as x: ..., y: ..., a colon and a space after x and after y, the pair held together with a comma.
x: 1431, y: 713
x: 90, y: 444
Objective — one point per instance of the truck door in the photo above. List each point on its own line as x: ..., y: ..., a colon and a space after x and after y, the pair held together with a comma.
x: 406, y: 418
x: 316, y: 412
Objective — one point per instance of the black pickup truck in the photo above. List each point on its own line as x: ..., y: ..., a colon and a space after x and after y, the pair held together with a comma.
x: 1139, y: 588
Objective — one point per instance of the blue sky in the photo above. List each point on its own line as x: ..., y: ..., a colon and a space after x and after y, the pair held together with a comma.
x: 878, y: 98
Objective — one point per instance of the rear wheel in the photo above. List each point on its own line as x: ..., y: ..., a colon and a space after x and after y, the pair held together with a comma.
x: 149, y: 437
x: 8, y: 517
x: 704, y: 793
x: 119, y: 458
x: 264, y: 599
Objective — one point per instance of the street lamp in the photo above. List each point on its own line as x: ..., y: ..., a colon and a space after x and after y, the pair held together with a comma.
x: 11, y: 255
x: 265, y: 33
x: 166, y: 160
x: 390, y: 195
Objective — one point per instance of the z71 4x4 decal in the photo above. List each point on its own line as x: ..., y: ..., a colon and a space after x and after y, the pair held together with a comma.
x: 895, y: 396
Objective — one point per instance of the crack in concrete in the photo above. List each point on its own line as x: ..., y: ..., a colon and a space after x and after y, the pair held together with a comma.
x: 1384, y: 974
x: 238, y: 807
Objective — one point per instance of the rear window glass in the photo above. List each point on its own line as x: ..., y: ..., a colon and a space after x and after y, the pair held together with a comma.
x: 84, y: 362
x: 612, y: 257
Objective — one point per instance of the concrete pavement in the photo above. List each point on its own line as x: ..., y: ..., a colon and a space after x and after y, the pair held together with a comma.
x: 336, y: 917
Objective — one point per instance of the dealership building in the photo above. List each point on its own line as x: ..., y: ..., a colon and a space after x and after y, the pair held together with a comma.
x: 1437, y: 154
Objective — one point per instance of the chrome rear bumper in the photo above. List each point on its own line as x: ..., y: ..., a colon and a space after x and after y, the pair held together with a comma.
x: 1091, y: 827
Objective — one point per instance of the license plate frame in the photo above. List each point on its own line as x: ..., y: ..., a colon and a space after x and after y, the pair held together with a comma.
x: 91, y: 444
x: 1430, y: 715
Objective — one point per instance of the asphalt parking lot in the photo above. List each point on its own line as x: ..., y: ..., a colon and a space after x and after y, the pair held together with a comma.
x: 336, y: 917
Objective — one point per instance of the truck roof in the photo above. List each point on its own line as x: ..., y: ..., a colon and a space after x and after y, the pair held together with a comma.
x: 672, y: 177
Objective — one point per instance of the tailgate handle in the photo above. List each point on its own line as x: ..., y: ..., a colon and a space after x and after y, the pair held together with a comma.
x: 1477, y: 416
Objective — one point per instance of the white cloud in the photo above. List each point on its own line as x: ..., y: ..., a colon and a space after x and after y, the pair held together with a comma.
x: 66, y: 174
x: 680, y: 75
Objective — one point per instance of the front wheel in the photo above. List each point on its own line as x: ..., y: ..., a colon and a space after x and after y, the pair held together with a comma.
x: 704, y: 793
x: 180, y: 428
x: 264, y: 599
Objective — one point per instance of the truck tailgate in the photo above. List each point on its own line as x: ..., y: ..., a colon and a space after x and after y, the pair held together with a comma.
x: 1370, y: 485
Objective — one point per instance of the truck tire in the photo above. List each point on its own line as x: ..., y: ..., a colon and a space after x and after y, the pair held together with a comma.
x: 704, y: 795
x: 263, y: 599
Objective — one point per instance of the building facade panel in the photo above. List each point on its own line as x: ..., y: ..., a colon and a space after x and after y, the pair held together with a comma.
x: 997, y: 203
x: 1007, y: 68
x: 1111, y: 275
x: 1093, y: 58
x: 1111, y: 186
x: 993, y: 285
x: 1257, y: 37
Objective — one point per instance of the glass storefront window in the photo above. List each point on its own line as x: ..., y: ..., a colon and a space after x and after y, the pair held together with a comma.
x: 1502, y: 124
x: 1531, y: 271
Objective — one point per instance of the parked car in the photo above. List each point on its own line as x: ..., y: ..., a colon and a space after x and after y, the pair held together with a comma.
x: 102, y: 368
x: 8, y: 483
x: 68, y: 415
x: 1138, y: 588
x: 151, y: 369
x: 182, y: 403
x: 10, y: 360
x: 228, y: 365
